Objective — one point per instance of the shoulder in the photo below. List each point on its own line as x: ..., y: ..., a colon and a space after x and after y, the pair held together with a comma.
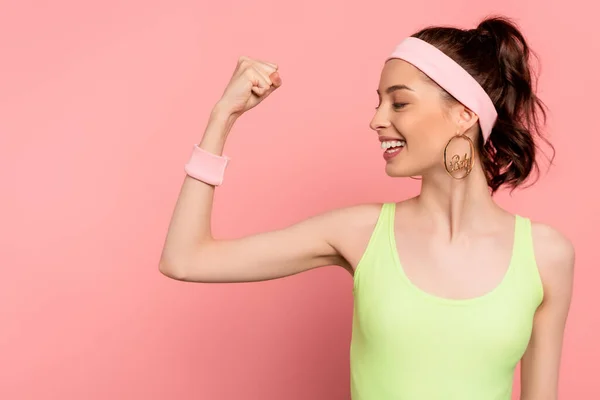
x: 551, y: 246
x: 357, y: 216
x: 350, y: 230
x: 554, y: 254
x: 359, y: 210
x: 338, y: 223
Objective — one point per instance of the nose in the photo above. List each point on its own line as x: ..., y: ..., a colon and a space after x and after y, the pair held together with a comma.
x: 379, y: 121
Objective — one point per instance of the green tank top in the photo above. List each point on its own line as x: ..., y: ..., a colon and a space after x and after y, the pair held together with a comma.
x: 411, y: 345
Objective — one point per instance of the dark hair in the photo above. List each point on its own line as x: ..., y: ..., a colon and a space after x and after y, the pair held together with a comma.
x: 497, y: 56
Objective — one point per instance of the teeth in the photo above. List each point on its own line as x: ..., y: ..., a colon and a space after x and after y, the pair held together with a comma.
x: 395, y: 143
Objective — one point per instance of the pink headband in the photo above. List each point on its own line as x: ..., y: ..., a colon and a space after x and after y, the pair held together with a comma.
x: 450, y: 76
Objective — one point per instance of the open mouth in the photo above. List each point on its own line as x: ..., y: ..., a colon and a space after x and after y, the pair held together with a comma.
x: 392, y: 146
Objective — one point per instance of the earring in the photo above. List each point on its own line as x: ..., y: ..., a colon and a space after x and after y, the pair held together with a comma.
x: 456, y: 163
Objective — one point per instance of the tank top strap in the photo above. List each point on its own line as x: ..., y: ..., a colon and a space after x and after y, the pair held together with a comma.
x: 378, y: 247
x: 388, y: 210
x: 524, y: 259
x: 386, y: 222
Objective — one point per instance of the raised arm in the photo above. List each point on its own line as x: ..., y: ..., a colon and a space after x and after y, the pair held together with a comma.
x: 190, y: 251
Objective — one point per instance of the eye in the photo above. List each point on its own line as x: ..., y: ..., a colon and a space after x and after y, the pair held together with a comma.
x: 396, y: 106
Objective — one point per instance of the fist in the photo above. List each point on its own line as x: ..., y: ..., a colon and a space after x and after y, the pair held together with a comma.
x: 252, y: 82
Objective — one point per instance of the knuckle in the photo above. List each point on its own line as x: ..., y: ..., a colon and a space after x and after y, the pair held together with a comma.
x: 244, y: 62
x: 269, y: 67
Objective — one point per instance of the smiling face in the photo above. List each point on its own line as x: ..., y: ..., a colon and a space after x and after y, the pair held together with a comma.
x: 416, y: 119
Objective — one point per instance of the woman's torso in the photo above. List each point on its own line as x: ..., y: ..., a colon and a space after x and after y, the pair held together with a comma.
x: 434, y: 322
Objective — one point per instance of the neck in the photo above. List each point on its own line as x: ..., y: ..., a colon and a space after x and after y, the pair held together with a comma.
x: 457, y: 207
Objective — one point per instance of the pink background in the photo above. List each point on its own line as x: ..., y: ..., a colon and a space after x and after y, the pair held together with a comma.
x: 100, y: 103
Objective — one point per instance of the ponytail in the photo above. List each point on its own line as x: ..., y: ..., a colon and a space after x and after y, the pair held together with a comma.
x: 497, y: 56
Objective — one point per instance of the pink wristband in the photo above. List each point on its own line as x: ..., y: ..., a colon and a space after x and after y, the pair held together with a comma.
x: 206, y: 167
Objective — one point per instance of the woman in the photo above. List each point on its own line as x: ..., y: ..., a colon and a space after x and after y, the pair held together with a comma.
x: 451, y: 291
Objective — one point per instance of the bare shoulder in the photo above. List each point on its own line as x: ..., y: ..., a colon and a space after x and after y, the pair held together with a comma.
x: 554, y: 253
x: 355, y: 219
x: 353, y: 228
x: 359, y: 215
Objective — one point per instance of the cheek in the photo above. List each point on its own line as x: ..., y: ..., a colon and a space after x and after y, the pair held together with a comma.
x: 426, y: 138
x: 423, y: 128
x: 433, y: 125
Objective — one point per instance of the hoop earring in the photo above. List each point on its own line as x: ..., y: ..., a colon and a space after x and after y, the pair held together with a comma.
x: 456, y: 163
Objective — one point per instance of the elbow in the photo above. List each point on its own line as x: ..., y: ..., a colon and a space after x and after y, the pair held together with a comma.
x: 171, y: 270
x: 185, y: 266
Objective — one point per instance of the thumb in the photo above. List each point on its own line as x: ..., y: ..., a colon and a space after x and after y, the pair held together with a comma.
x: 276, y: 79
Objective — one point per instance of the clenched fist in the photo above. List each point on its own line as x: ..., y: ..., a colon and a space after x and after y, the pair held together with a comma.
x: 251, y: 83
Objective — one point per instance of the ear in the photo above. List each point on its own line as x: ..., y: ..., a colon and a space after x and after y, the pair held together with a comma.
x: 466, y: 118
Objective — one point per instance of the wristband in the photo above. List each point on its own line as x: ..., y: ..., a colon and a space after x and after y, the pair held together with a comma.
x: 206, y: 167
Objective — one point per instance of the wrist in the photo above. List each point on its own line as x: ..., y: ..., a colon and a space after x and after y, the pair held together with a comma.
x: 219, y: 124
x: 216, y: 133
x: 222, y: 113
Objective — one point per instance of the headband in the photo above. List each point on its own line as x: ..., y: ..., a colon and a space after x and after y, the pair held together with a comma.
x: 452, y: 77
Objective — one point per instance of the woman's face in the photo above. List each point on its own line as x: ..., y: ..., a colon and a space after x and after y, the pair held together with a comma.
x: 417, y: 120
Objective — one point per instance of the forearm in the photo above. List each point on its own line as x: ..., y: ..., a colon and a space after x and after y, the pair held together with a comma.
x: 190, y: 223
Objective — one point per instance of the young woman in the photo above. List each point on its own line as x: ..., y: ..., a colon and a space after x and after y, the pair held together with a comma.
x: 451, y: 291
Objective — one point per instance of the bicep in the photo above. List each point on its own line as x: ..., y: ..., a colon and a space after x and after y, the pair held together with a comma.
x: 302, y: 246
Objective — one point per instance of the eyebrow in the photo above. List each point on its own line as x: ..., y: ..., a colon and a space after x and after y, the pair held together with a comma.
x: 396, y: 87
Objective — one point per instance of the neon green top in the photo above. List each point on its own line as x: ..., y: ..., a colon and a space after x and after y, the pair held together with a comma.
x: 411, y: 345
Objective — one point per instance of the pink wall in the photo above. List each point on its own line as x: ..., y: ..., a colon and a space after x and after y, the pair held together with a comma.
x: 99, y: 107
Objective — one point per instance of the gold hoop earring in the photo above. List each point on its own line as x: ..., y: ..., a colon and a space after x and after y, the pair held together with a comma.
x: 456, y: 163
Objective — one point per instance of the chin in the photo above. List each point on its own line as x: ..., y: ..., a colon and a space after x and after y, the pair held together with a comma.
x: 396, y: 171
x: 405, y: 169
